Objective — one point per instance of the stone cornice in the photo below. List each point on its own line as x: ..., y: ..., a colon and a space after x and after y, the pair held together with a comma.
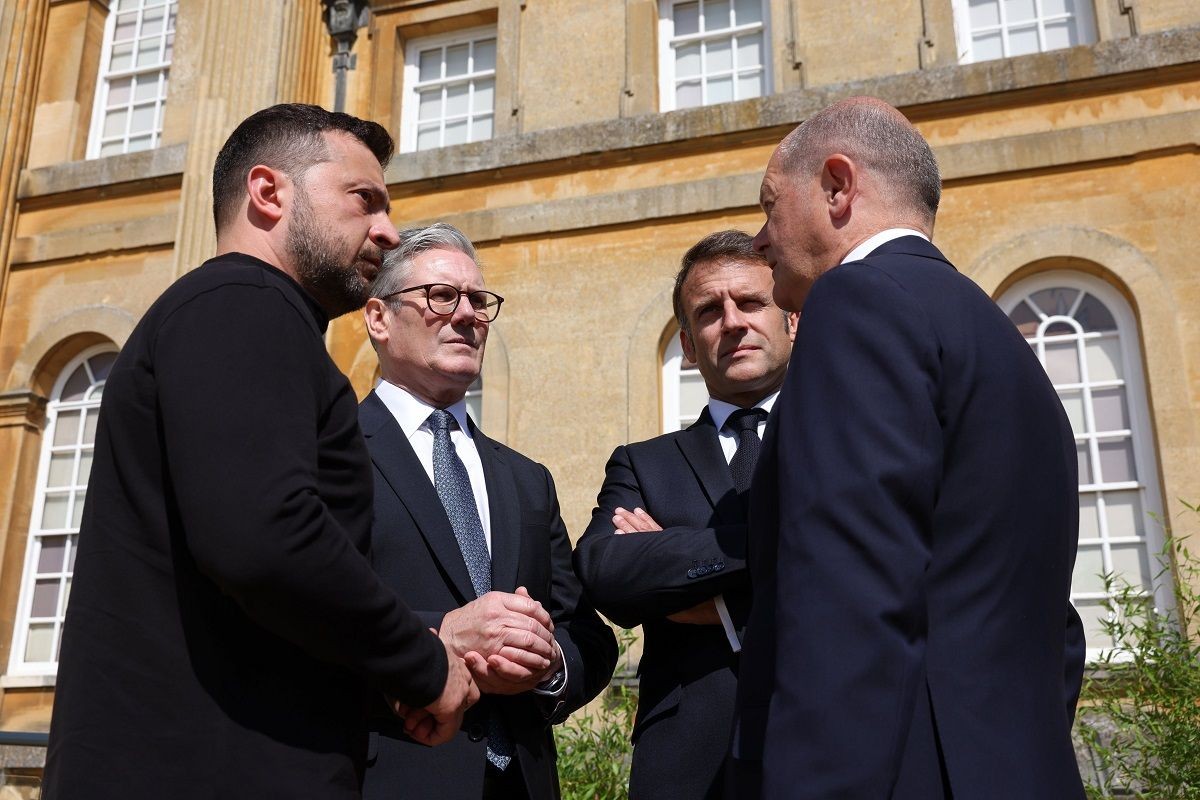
x: 103, y: 173
x: 22, y: 407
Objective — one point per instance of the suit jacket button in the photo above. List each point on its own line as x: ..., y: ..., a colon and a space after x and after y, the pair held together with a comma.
x: 703, y: 570
x: 691, y: 573
x: 717, y: 567
x: 476, y: 732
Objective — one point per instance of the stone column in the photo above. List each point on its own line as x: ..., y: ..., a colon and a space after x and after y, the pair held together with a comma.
x: 230, y: 57
x: 22, y: 36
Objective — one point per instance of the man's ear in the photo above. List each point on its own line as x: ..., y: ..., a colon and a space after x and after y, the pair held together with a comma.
x: 839, y: 180
x: 266, y: 188
x: 689, y: 347
x: 373, y: 318
x: 791, y: 320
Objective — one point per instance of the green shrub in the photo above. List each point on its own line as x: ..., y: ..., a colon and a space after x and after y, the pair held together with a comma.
x: 594, y: 750
x: 1140, y: 707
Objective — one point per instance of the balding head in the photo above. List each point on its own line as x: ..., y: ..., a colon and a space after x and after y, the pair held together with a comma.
x: 879, y: 139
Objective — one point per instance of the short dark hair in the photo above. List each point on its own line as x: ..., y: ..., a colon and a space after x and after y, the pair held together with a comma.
x: 729, y: 245
x: 287, y: 137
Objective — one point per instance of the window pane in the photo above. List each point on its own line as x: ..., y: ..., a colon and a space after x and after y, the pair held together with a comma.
x: 456, y: 60
x: 101, y: 365
x: 1060, y: 34
x: 720, y: 90
x: 1089, y: 517
x: 485, y: 55
x: 90, y: 418
x: 1089, y: 566
x: 1116, y: 461
x: 148, y: 51
x: 1051, y: 8
x: 85, y: 468
x: 39, y: 645
x: 45, y: 598
x: 693, y: 395
x: 747, y: 11
x: 1072, y: 401
x: 121, y: 58
x: 1131, y: 562
x: 147, y: 88
x: 687, y: 95
x: 719, y: 56
x: 50, y: 556
x: 73, y: 542
x: 430, y: 104
x: 1123, y: 511
x: 1093, y: 315
x: 1054, y: 302
x: 1062, y: 362
x: 62, y: 469
x: 77, y: 510
x: 687, y: 61
x: 114, y: 123
x: 986, y: 47
x: 456, y: 132
x: 1026, y: 321
x: 154, y: 21
x: 143, y: 119
x: 687, y: 18
x: 112, y: 148
x: 485, y: 96
x: 1093, y: 615
x: 119, y: 91
x: 983, y: 13
x: 169, y: 50
x: 481, y: 129
x: 1108, y: 406
x: 749, y: 51
x: 54, y: 512
x: 716, y: 15
x: 456, y: 100
x: 1019, y: 11
x: 427, y: 137
x: 1085, y: 468
x: 750, y: 85
x: 1104, y: 359
x: 76, y: 385
x: 126, y: 27
x: 66, y: 428
x: 429, y: 64
x: 1022, y: 41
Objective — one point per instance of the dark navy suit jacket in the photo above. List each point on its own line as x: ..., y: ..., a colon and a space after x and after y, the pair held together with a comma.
x: 913, y: 531
x: 688, y: 678
x: 414, y: 550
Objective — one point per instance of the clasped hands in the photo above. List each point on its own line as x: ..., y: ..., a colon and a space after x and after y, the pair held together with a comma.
x: 500, y: 643
x: 638, y: 521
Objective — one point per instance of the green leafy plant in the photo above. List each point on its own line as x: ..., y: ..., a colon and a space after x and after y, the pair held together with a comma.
x: 1140, y: 707
x: 594, y: 750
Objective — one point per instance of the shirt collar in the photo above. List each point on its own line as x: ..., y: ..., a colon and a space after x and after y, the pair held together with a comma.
x: 412, y: 412
x: 864, y: 249
x: 719, y: 410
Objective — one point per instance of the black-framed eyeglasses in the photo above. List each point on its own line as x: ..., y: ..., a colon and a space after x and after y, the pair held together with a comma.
x: 443, y: 299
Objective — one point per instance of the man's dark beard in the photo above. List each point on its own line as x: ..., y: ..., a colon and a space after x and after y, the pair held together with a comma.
x: 339, y: 288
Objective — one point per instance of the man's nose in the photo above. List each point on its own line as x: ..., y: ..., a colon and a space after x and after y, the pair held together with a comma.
x: 464, y: 312
x: 759, y: 242
x: 383, y: 233
x: 732, y: 319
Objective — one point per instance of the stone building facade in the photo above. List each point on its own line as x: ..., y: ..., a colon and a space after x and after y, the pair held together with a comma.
x: 584, y: 145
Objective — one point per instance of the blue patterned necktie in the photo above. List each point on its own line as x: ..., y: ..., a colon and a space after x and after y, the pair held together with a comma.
x: 453, y: 487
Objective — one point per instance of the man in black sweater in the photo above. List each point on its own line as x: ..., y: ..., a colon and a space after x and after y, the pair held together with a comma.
x: 225, y: 621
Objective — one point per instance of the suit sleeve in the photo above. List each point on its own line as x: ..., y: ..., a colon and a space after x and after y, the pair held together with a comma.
x: 241, y: 387
x: 859, y: 459
x: 636, y: 577
x: 1075, y: 656
x: 588, y: 646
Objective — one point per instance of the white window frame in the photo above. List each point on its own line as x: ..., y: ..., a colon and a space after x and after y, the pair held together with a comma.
x: 474, y: 400
x: 410, y: 104
x: 673, y: 373
x: 104, y: 80
x: 17, y: 663
x: 1141, y: 430
x: 1084, y: 20
x: 666, y: 53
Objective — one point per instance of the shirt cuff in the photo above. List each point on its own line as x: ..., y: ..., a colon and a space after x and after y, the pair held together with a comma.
x: 727, y: 624
x: 555, y: 685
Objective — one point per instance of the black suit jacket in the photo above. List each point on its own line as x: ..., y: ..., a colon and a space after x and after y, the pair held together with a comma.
x: 688, y: 672
x: 914, y: 523
x: 414, y: 551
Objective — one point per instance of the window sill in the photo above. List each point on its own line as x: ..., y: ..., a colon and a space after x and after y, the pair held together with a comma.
x: 27, y: 681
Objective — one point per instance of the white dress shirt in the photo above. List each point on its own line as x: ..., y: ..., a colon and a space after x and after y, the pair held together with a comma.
x: 865, y: 248
x: 413, y: 415
x: 720, y: 412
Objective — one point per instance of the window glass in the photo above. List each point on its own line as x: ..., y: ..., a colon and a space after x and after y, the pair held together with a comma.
x: 713, y: 52
x: 990, y: 29
x: 451, y: 90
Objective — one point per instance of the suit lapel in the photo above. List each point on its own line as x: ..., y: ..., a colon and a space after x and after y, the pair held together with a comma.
x: 402, y: 470
x: 702, y: 450
x: 504, y: 510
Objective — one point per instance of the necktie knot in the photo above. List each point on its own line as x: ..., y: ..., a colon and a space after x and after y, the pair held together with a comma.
x: 440, y: 420
x: 745, y: 419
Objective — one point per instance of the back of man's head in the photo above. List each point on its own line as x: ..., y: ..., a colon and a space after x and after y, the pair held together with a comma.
x: 732, y: 245
x: 877, y: 138
x: 289, y: 137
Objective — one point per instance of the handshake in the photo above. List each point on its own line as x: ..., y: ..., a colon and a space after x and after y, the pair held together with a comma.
x: 500, y: 643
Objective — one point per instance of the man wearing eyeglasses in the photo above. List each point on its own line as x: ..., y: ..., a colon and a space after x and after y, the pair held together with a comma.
x: 468, y: 532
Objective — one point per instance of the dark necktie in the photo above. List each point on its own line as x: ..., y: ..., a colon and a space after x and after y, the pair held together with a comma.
x: 453, y: 487
x: 743, y: 423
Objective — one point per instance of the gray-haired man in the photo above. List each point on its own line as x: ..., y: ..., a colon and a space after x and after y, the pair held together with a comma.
x: 468, y: 532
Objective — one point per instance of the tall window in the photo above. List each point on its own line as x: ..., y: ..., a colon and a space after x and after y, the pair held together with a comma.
x: 712, y: 51
x: 450, y: 90
x: 63, y: 471
x: 684, y: 393
x: 474, y: 400
x: 1086, y: 337
x: 988, y: 29
x: 139, y: 38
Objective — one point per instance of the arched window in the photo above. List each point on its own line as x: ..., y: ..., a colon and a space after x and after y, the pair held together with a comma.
x: 683, y: 391
x: 63, y: 470
x: 1085, y: 335
x: 474, y: 400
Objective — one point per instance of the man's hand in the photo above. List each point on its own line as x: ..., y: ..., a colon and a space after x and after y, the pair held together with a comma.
x: 437, y: 722
x: 495, y: 674
x: 514, y: 626
x: 703, y: 613
x: 636, y: 521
